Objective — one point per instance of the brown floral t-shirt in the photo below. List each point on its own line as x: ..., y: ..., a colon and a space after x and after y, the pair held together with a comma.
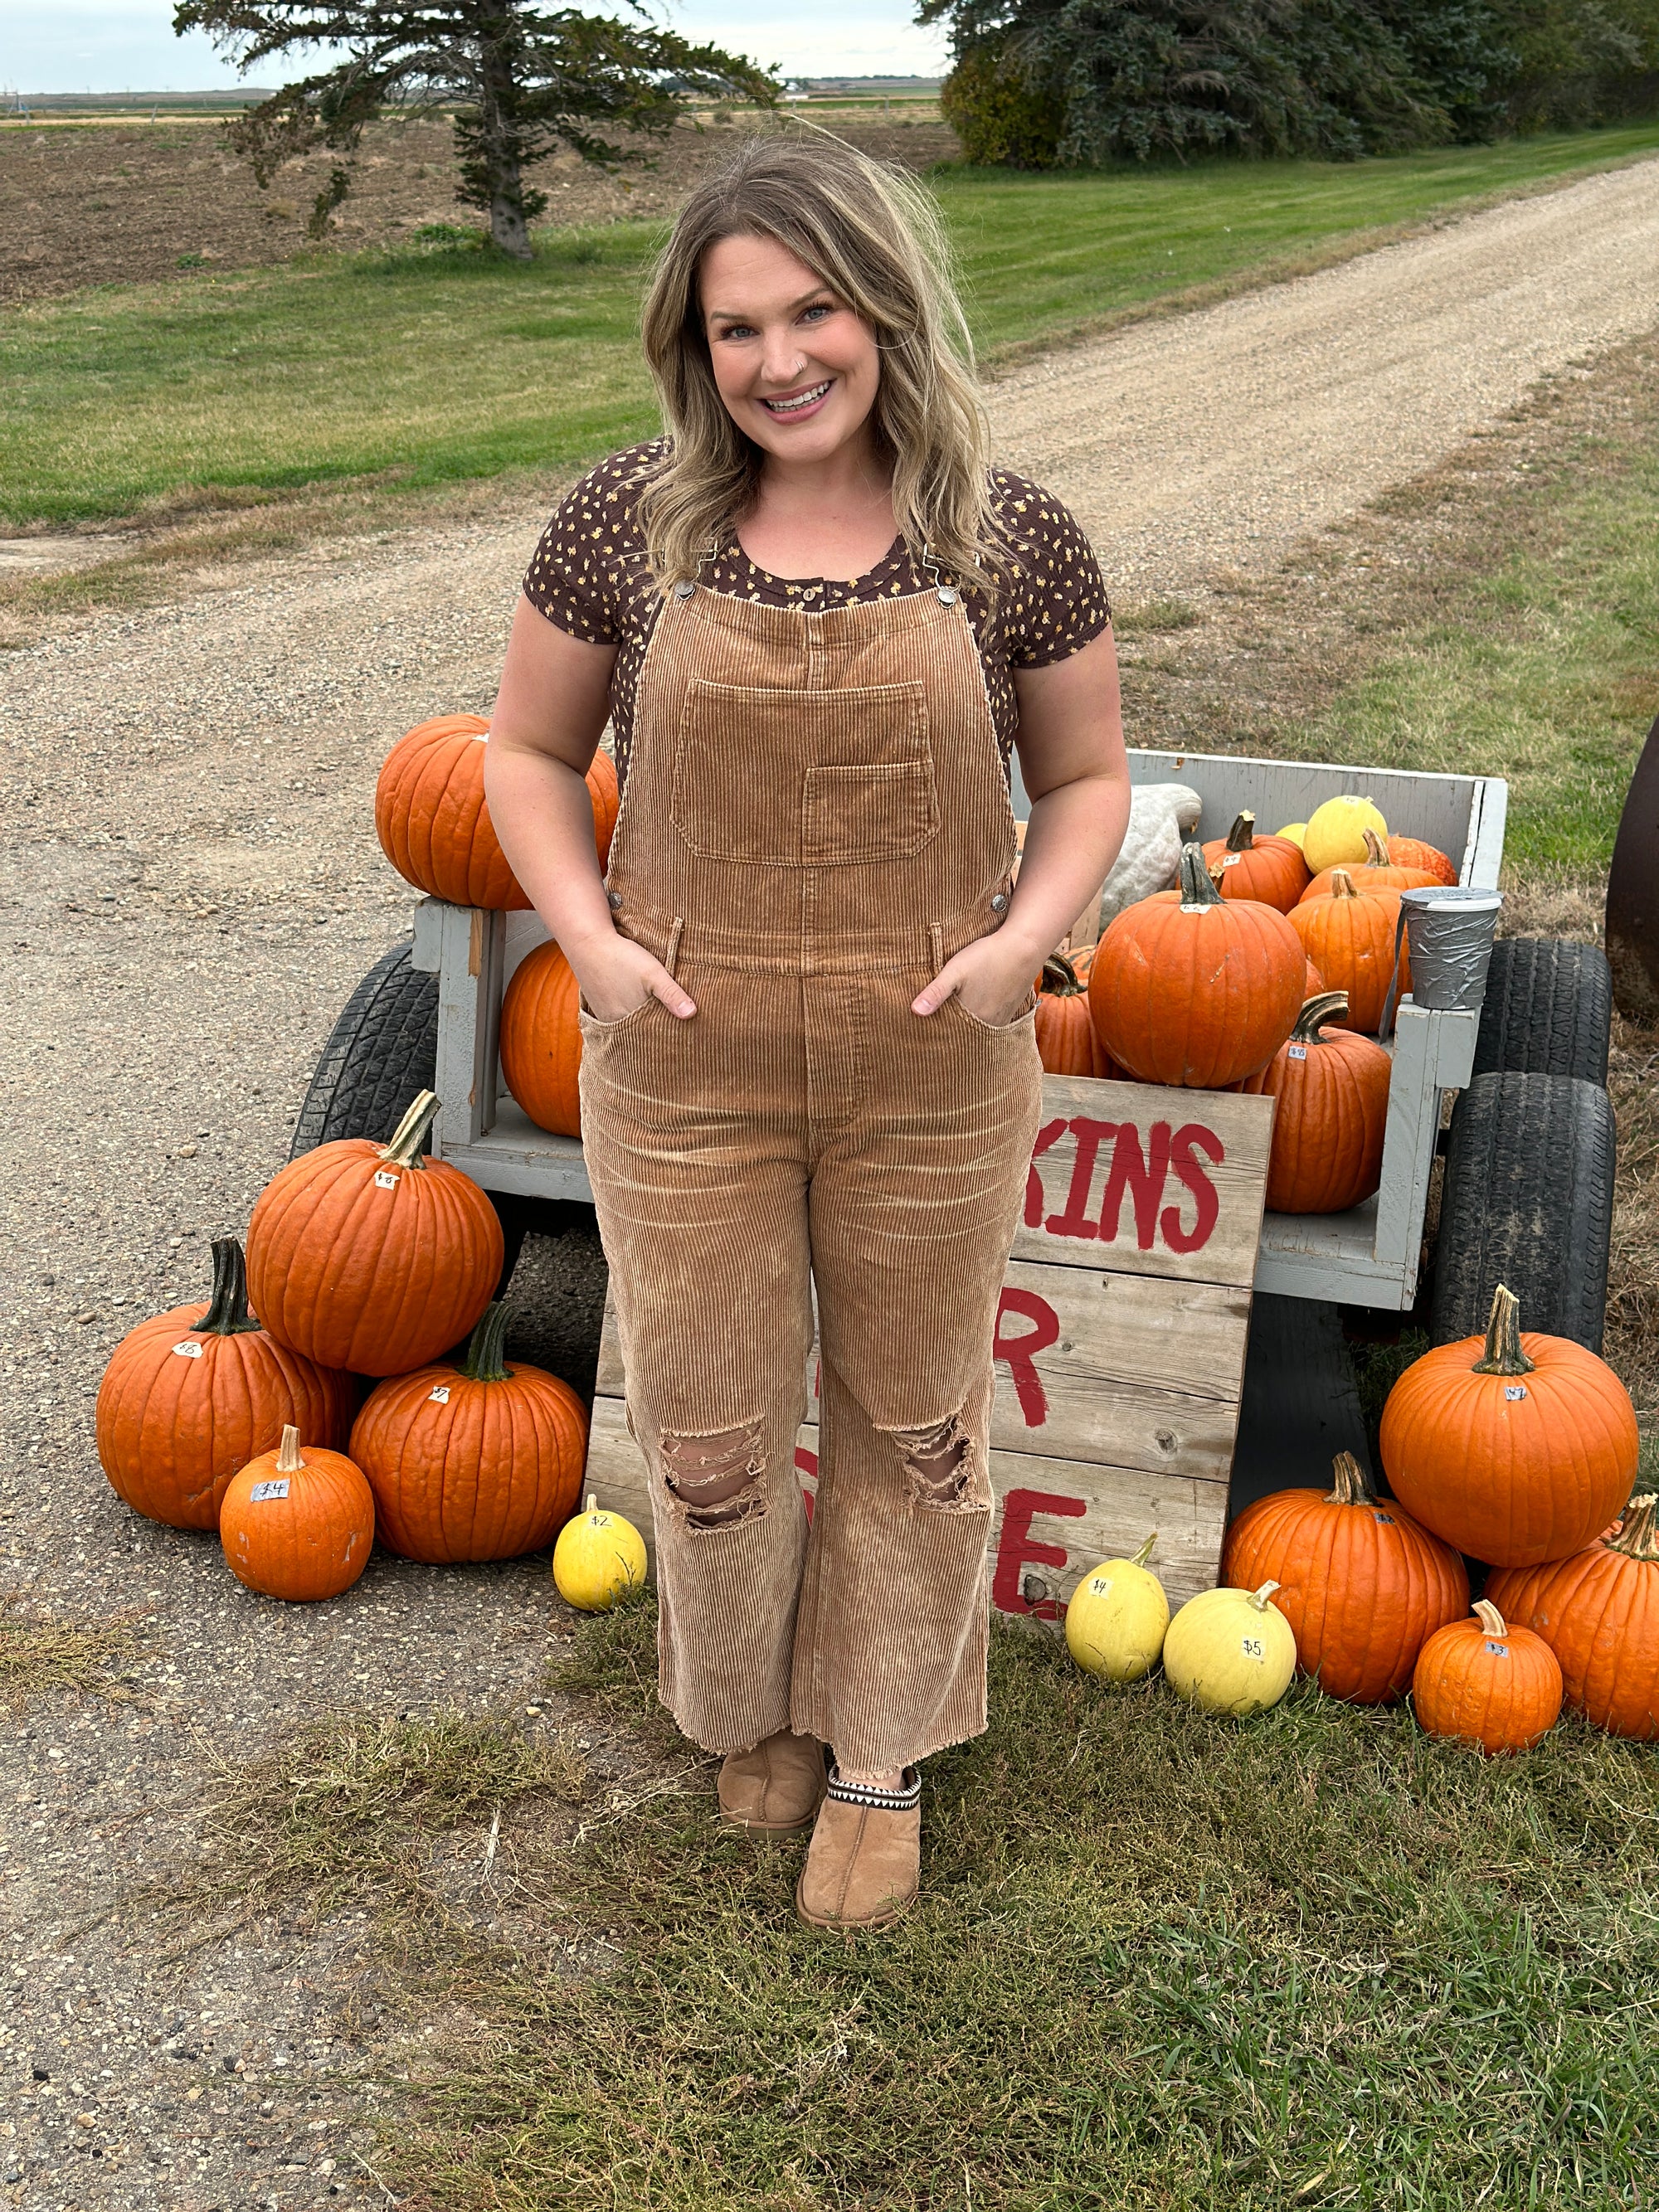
x: 590, y: 575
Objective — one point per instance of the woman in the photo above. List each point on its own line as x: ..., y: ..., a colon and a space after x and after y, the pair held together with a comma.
x: 817, y: 620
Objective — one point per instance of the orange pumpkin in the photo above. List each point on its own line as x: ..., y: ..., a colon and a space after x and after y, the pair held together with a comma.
x: 1333, y: 1092
x: 1376, y: 873
x: 1412, y: 853
x: 1313, y: 983
x: 476, y: 1461
x: 433, y: 819
x: 1189, y: 988
x: 1242, y: 866
x: 298, y: 1523
x: 541, y: 1040
x: 1599, y: 1612
x: 1363, y: 1587
x: 1481, y: 1681
x: 1515, y: 1449
x: 1066, y: 1043
x: 370, y: 1257
x: 190, y: 1396
x: 1349, y: 936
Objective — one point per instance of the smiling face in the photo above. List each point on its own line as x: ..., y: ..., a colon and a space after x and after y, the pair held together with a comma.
x: 796, y: 367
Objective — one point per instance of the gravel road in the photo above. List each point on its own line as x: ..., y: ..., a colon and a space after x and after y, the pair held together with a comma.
x: 190, y: 888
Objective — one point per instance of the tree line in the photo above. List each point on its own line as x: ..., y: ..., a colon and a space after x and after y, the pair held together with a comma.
x: 1063, y: 83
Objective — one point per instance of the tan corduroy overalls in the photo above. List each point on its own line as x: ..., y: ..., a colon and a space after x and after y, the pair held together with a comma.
x: 815, y: 819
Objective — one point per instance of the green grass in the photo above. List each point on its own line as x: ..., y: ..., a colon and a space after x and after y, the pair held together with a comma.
x: 435, y: 366
x: 1161, y: 1962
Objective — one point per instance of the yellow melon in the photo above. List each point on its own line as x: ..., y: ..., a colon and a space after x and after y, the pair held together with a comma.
x: 599, y: 1558
x: 1296, y: 832
x: 1230, y: 1651
x: 1335, y: 835
x: 1117, y: 1617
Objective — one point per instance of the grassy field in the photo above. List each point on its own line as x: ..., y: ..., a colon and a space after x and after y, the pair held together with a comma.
x: 435, y: 366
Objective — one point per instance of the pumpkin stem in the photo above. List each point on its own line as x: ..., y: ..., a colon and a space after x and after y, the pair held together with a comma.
x: 1638, y: 1530
x: 1058, y: 978
x: 1342, y: 884
x: 1489, y: 1617
x: 1242, y: 835
x: 288, y: 1460
x: 1146, y: 1551
x: 484, y: 1362
x: 1504, y: 1355
x: 1376, y: 853
x: 1351, y: 1488
x: 1328, y: 1006
x: 1259, y: 1597
x: 592, y: 1501
x: 405, y: 1150
x: 1197, y: 891
x: 227, y: 1314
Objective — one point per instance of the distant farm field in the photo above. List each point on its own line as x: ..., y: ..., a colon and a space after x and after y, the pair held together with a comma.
x: 422, y: 364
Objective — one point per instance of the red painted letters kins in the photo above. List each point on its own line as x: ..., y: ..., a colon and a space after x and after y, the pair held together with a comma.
x: 1110, y: 1166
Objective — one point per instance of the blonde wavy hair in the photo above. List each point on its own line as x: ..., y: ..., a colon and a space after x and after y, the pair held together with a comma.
x: 870, y: 233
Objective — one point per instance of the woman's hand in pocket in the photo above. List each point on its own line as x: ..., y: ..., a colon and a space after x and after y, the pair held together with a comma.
x: 991, y: 979
x: 617, y: 979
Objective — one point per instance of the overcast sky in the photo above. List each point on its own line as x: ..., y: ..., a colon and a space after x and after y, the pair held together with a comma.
x: 128, y: 45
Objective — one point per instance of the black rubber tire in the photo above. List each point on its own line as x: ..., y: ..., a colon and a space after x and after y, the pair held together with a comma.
x: 1547, y: 1011
x: 381, y: 1051
x: 1528, y: 1201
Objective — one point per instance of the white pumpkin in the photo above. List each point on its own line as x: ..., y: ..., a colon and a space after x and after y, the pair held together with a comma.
x: 1230, y: 1651
x: 1162, y: 817
x: 1117, y: 1617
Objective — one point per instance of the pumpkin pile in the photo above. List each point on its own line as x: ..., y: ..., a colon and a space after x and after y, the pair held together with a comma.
x: 1517, y: 1450
x: 366, y: 1263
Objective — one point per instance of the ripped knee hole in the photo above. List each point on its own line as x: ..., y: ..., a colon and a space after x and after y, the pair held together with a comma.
x: 716, y: 1481
x: 940, y: 1465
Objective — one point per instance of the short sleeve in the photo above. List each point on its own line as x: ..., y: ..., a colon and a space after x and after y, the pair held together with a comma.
x: 585, y: 571
x: 1056, y: 602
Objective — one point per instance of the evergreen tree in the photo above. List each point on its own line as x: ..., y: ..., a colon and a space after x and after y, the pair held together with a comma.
x: 521, y: 82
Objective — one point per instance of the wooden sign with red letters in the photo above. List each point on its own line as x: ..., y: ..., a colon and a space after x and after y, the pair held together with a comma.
x: 1118, y: 1348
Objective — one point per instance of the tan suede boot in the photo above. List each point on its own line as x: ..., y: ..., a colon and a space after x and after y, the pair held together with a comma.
x: 775, y: 1787
x: 864, y: 1865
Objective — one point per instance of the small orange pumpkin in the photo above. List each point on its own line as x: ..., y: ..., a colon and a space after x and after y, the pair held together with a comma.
x: 298, y: 1523
x: 1349, y: 936
x: 1413, y: 853
x: 1377, y: 873
x: 1363, y: 1587
x: 1189, y: 988
x: 1242, y: 866
x: 190, y: 1396
x: 541, y: 1040
x: 1481, y: 1681
x: 369, y: 1257
x: 1599, y: 1612
x: 1065, y: 1039
x: 433, y: 819
x: 476, y: 1461
x: 1514, y: 1448
x: 1333, y: 1093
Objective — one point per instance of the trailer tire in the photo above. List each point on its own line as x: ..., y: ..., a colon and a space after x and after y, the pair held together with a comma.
x: 1547, y: 1011
x: 383, y: 1051
x: 1527, y: 1201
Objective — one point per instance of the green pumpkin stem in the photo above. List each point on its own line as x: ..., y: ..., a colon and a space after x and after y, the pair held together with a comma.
x: 1058, y: 978
x: 484, y: 1362
x: 1637, y: 1536
x: 1197, y: 889
x: 1350, y: 1485
x: 1504, y: 1355
x: 1146, y: 1551
x: 228, y: 1314
x: 1241, y: 836
x: 1328, y: 1006
x: 411, y: 1134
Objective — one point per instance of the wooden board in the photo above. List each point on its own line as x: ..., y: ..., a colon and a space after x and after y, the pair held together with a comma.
x: 1118, y: 1348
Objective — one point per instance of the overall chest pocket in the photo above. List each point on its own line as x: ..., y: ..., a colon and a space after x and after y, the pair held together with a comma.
x: 805, y: 779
